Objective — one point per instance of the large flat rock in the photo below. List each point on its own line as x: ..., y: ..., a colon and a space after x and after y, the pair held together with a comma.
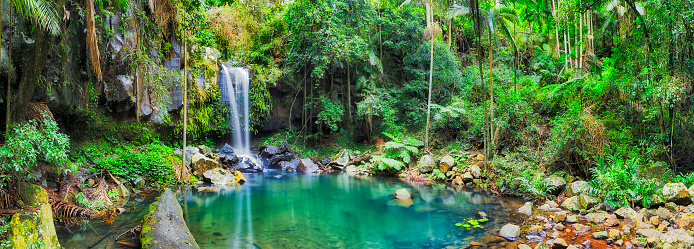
x: 164, y: 226
x: 33, y: 226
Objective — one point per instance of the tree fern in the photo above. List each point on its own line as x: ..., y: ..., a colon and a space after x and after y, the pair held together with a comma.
x: 397, y: 153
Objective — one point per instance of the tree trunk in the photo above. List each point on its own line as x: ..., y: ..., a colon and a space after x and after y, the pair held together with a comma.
x: 8, y: 97
x: 431, y: 76
x: 491, y: 103
x: 349, y: 98
x: 31, y: 75
x: 185, y: 106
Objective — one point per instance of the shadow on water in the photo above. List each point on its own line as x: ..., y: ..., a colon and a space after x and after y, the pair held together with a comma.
x: 337, y: 211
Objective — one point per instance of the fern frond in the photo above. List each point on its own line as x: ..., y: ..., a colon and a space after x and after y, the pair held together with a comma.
x: 392, y: 163
x: 394, y: 145
x: 41, y: 12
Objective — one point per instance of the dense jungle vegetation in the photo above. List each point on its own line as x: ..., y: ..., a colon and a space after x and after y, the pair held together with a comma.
x: 569, y: 87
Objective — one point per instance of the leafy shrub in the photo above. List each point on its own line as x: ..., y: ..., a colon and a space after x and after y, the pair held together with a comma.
x: 331, y: 111
x: 687, y: 179
x: 618, y: 184
x: 152, y: 161
x: 535, y: 184
x: 436, y: 175
x: 31, y: 142
x: 398, y: 153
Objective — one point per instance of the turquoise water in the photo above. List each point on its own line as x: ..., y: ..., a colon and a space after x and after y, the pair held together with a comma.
x: 335, y: 211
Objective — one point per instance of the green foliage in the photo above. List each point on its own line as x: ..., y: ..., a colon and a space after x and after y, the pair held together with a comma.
x: 469, y: 223
x: 90, y: 204
x: 437, y: 175
x: 535, y: 184
x: 687, y: 179
x: 30, y: 143
x: 152, y: 161
x: 331, y: 112
x: 261, y: 100
x: 398, y: 152
x: 618, y: 185
x: 3, y: 232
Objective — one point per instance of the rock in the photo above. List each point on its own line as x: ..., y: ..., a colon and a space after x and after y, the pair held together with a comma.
x: 139, y: 183
x: 677, y: 193
x: 510, y: 232
x: 534, y: 230
x: 269, y: 151
x: 467, y: 177
x: 648, y: 233
x: 350, y: 169
x: 542, y: 245
x: 227, y: 149
x: 559, y: 227
x: 481, y: 215
x: 492, y: 240
x: 655, y: 220
x: 402, y: 202
x: 34, y: 225
x: 533, y: 238
x: 559, y: 243
x: 446, y: 163
x: 292, y: 165
x: 685, y: 222
x: 576, y: 188
x: 626, y: 213
x: 556, y: 183
x: 527, y: 208
x: 580, y: 228
x: 201, y: 164
x: 672, y: 206
x: 587, y: 202
x: 613, y: 234
x: 341, y: 159
x: 571, y: 204
x: 479, y: 157
x: 402, y: 193
x: 663, y: 213
x: 677, y: 236
x: 475, y: 171
x: 586, y: 244
x: 596, y: 217
x: 572, y: 218
x: 306, y: 165
x: 123, y: 191
x: 524, y: 246
x: 600, y: 235
x: 458, y: 181
x: 286, y: 156
x: 219, y: 176
x: 612, y: 221
x: 190, y: 150
x: 560, y: 216
x: 426, y: 164
x: 164, y: 226
x: 205, y: 150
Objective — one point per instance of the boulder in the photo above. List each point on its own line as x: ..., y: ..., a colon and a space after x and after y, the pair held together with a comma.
x: 559, y: 243
x: 600, y: 235
x: 475, y: 171
x: 677, y: 193
x: 557, y: 183
x: 289, y: 166
x: 677, y: 236
x: 350, y: 169
x: 190, y: 150
x: 219, y: 176
x: 201, y: 163
x: 164, y: 226
x: 527, y: 208
x: 205, y: 150
x: 446, y: 163
x: 35, y: 225
x: 286, y: 156
x: 571, y: 204
x: 426, y: 164
x: 510, y: 232
x: 614, y: 234
x: 467, y: 177
x: 269, y: 151
x: 587, y: 202
x: 341, y: 159
x: 123, y: 191
x: 402, y: 193
x: 227, y: 149
x: 576, y: 188
x: 626, y: 213
x: 648, y: 233
x: 459, y: 181
x: 306, y: 165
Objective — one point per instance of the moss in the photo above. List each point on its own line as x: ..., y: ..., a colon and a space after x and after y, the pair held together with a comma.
x: 33, y: 228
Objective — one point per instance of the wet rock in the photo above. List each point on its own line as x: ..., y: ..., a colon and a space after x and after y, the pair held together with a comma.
x: 524, y: 246
x: 596, y: 217
x: 33, y: 226
x: 677, y: 193
x: 572, y: 218
x: 426, y: 164
x: 580, y: 228
x: 402, y: 193
x: 219, y: 176
x: 123, y: 191
x: 527, y: 208
x: 559, y: 227
x: 402, y: 202
x: 227, y: 149
x: 481, y: 215
x: 677, y: 236
x: 600, y: 235
x: 492, y: 240
x: 164, y: 226
x: 475, y: 171
x: 447, y: 162
x: 626, y: 213
x: 542, y: 245
x: 458, y: 181
x: 534, y: 230
x: 467, y: 177
x: 286, y: 156
x: 571, y: 204
x: 613, y: 234
x: 201, y: 163
x: 292, y: 165
x: 648, y: 233
x: 612, y: 221
x: 533, y: 238
x: 576, y: 188
x: 655, y: 220
x: 306, y: 165
x: 559, y: 243
x: 586, y: 244
x: 510, y: 232
x: 556, y: 183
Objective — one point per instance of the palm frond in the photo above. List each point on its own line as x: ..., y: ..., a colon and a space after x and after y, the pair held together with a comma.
x: 41, y: 12
x: 457, y: 10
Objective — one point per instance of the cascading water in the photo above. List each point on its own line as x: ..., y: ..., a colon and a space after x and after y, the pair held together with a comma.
x: 234, y: 85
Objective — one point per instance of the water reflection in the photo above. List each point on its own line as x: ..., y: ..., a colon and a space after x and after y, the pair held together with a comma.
x: 333, y: 211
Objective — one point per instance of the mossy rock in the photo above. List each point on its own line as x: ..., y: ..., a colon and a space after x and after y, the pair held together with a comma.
x: 164, y: 226
x: 33, y: 228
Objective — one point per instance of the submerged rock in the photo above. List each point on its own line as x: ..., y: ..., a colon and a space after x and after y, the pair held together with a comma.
x: 33, y: 226
x: 164, y: 226
x: 307, y: 165
x: 402, y: 193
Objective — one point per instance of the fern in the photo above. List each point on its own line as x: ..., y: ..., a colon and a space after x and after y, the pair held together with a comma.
x: 398, y: 152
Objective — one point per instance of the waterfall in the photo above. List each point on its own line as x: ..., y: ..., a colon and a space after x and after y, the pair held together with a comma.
x: 234, y: 84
